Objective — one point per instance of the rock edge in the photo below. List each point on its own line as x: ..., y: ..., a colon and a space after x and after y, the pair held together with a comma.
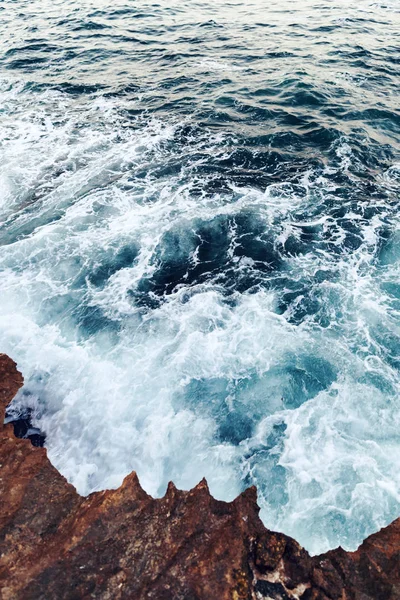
x: 124, y: 544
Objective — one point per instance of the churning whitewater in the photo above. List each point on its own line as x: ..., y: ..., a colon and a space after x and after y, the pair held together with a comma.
x: 199, y: 249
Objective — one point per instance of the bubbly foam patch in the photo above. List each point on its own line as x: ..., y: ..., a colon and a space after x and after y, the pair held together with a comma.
x: 170, y: 321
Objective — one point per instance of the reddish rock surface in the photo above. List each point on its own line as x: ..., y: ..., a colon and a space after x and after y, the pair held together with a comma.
x: 123, y: 544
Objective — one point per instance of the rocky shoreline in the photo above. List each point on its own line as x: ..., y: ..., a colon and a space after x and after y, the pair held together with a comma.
x: 124, y: 544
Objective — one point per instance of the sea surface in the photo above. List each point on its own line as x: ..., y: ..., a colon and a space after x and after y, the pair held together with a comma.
x: 200, y: 248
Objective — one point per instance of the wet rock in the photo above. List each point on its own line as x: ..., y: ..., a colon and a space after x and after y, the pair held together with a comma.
x: 123, y: 544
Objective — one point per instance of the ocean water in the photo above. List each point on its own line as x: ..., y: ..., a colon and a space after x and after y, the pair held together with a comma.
x: 200, y: 248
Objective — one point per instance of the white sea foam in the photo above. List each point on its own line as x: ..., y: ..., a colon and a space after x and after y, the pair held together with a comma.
x: 151, y: 387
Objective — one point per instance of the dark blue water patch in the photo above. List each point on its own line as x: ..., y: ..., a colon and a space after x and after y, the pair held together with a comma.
x: 132, y: 12
x: 211, y: 24
x: 169, y: 168
x: 21, y: 421
x: 175, y: 264
x: 77, y: 89
x: 128, y: 91
x: 258, y: 167
x: 209, y: 397
x: 365, y: 66
x: 35, y: 46
x: 299, y: 304
x: 182, y: 82
x: 204, y: 252
x: 304, y: 96
x: 91, y: 320
x: 174, y: 257
x: 238, y: 406
x: 112, y: 263
x: 288, y: 385
x: 165, y: 59
x: 385, y: 234
x: 313, y: 299
x: 254, y: 240
x: 390, y: 119
x: 27, y: 64
x: 235, y: 427
x: 89, y: 26
x: 13, y: 231
x: 130, y: 40
x: 324, y: 29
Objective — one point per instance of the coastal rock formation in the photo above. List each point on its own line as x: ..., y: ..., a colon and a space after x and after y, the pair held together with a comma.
x: 124, y: 544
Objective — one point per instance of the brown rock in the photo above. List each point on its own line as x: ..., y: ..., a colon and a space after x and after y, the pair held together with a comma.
x: 123, y: 544
x: 11, y: 381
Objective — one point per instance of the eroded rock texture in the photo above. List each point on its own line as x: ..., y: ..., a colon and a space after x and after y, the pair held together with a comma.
x: 120, y: 544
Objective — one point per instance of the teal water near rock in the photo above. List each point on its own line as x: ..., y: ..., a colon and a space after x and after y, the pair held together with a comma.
x: 199, y: 249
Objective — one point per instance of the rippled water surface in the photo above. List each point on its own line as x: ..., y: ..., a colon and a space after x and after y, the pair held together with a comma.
x: 200, y: 248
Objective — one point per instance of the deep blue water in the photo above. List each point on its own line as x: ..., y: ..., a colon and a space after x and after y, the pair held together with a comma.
x: 199, y: 248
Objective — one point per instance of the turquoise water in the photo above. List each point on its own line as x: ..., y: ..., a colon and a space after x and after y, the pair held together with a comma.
x: 199, y: 249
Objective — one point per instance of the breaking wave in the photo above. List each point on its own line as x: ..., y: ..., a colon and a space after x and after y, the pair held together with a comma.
x: 199, y: 286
